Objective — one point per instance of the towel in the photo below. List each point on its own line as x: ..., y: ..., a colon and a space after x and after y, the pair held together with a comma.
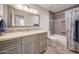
x: 2, y: 25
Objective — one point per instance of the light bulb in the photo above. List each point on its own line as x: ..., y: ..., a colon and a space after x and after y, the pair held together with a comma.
x: 26, y: 8
x: 31, y: 10
x: 35, y: 12
x: 19, y: 6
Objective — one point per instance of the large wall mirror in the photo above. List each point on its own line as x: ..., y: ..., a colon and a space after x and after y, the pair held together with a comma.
x: 21, y: 18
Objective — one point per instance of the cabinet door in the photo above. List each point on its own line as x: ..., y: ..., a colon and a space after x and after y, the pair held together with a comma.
x: 28, y: 47
x: 43, y: 42
x: 43, y: 45
x: 13, y: 50
x: 36, y: 46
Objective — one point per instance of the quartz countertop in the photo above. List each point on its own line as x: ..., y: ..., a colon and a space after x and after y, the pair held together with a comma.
x: 13, y: 35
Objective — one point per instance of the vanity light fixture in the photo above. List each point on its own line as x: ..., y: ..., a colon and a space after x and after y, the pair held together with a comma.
x: 35, y: 12
x: 26, y: 8
x: 19, y: 6
x: 31, y: 10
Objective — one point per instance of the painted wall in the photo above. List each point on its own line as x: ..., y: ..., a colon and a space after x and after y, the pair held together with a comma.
x: 1, y: 10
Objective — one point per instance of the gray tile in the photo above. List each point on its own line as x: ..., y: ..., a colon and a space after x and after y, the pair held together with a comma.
x: 55, y: 47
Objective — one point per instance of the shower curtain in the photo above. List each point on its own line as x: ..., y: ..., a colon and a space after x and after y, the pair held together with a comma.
x: 71, y: 16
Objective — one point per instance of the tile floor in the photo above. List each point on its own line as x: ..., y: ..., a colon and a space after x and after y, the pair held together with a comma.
x: 56, y: 47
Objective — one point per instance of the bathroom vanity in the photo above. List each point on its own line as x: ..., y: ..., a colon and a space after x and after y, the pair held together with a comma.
x: 31, y: 42
x: 18, y: 40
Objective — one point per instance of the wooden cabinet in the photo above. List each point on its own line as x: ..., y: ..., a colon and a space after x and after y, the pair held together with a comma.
x: 11, y: 46
x: 9, y: 43
x: 36, y: 46
x: 28, y: 47
x: 43, y: 42
x: 32, y: 44
x: 13, y: 50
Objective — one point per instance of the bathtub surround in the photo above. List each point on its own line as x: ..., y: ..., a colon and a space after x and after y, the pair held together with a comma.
x: 57, y: 23
x: 65, y: 25
x: 60, y: 24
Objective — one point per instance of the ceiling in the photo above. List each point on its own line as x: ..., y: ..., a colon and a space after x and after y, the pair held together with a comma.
x: 56, y: 7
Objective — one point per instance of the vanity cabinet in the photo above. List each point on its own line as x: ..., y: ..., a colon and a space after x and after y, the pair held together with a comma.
x: 12, y: 50
x: 43, y: 42
x: 36, y: 46
x: 31, y: 44
x: 28, y: 47
x: 12, y: 46
x: 31, y: 47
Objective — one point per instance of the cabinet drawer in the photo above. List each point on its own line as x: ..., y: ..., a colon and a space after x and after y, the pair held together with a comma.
x: 9, y: 43
x: 43, y: 35
x: 30, y: 38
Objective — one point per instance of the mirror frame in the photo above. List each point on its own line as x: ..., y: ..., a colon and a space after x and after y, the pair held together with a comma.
x: 8, y: 6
